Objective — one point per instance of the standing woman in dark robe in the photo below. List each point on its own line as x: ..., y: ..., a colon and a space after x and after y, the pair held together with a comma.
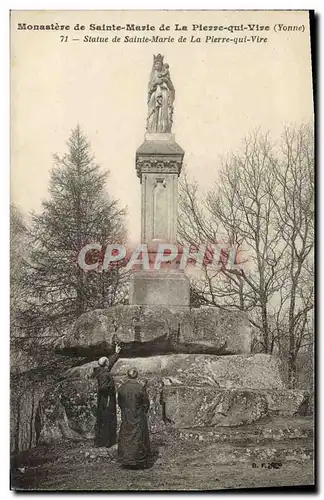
x: 106, y: 422
x: 133, y: 440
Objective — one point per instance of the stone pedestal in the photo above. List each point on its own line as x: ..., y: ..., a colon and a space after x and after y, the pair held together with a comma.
x: 167, y: 288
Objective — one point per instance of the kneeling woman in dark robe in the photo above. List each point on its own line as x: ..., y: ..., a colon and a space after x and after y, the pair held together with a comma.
x: 106, y: 422
x: 133, y: 440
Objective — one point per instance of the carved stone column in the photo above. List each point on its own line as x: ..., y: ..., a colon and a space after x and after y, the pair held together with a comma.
x: 158, y: 164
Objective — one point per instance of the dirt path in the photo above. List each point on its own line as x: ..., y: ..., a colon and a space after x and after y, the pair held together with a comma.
x: 179, y: 466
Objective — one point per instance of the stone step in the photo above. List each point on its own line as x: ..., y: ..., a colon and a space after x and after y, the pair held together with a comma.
x: 271, y: 431
x: 261, y: 455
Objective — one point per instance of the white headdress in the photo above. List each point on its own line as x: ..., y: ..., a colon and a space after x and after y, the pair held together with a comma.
x: 102, y: 361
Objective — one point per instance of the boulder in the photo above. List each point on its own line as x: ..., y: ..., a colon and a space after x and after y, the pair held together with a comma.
x: 206, y: 406
x: 149, y: 330
x: 138, y: 330
x: 311, y: 404
x: 288, y: 402
x: 68, y: 410
x: 257, y: 371
x: 205, y: 328
x: 185, y: 391
x: 187, y: 407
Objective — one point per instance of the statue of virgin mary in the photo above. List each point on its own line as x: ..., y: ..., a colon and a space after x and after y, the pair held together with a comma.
x: 160, y: 98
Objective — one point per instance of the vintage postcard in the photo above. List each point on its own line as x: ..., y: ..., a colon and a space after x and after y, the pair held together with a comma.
x: 162, y: 250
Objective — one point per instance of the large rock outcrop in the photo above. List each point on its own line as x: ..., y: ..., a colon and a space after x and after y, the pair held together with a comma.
x: 68, y: 410
x: 257, y: 371
x: 149, y: 330
x: 207, y: 406
x: 197, y: 364
x: 188, y: 406
x: 179, y: 398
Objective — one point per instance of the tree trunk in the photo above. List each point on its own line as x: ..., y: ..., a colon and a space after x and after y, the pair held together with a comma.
x: 292, y: 371
x: 17, y: 429
x: 31, y: 421
x: 265, y: 326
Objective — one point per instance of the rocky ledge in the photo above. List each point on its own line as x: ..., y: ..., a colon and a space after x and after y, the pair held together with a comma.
x: 191, y: 407
x: 150, y: 330
x: 257, y: 371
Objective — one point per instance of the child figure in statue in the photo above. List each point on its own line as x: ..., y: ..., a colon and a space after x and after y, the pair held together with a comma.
x: 166, y: 72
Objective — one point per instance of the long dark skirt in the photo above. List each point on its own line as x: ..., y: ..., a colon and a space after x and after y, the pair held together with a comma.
x: 134, y: 443
x: 106, y: 424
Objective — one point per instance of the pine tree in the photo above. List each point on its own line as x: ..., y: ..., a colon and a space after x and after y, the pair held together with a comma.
x: 79, y: 211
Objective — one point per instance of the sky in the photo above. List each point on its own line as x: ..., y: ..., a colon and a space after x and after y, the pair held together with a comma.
x: 223, y: 91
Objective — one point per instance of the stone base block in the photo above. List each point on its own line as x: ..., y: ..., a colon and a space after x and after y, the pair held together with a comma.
x: 149, y: 330
x: 169, y: 289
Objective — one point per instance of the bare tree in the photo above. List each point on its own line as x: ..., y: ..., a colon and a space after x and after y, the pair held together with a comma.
x: 294, y: 219
x: 259, y: 206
